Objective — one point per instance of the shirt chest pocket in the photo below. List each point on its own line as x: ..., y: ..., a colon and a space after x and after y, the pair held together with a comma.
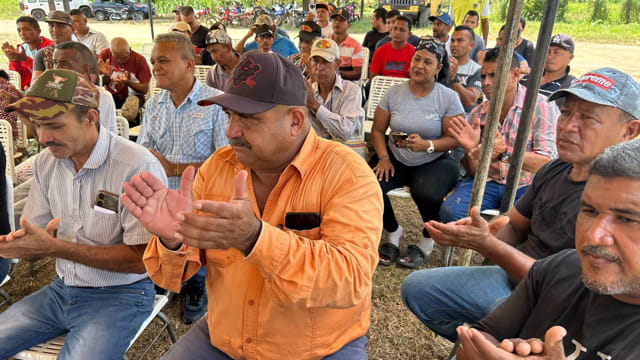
x: 101, y: 227
x: 202, y: 138
x: 311, y: 234
x: 221, y: 258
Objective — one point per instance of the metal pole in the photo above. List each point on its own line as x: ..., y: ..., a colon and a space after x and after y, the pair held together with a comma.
x: 150, y: 18
x: 533, y: 84
x: 361, y: 9
x: 495, y: 107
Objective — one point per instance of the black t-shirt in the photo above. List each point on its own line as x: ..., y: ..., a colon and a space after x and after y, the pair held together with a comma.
x: 526, y: 49
x: 553, y: 294
x: 371, y: 39
x: 199, y: 38
x: 205, y: 58
x: 551, y: 203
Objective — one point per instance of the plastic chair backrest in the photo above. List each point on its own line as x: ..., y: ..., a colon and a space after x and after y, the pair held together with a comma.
x: 14, y: 78
x: 123, y: 127
x: 200, y: 72
x: 6, y: 138
x: 365, y: 66
x: 379, y: 87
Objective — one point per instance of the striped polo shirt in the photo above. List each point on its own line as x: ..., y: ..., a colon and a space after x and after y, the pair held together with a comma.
x: 58, y: 190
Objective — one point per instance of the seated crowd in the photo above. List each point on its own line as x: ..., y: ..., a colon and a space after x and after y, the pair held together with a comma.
x: 239, y: 193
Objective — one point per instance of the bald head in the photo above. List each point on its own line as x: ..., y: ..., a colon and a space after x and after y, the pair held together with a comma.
x: 120, y: 49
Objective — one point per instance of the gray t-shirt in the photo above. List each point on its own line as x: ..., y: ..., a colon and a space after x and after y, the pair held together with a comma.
x: 469, y: 76
x: 422, y: 116
x: 552, y: 293
x: 551, y: 203
x: 479, y: 46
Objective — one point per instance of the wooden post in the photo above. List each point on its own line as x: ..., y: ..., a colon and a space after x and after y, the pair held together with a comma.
x: 495, y: 107
x: 533, y: 84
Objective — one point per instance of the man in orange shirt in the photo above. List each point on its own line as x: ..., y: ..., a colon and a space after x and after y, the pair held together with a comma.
x: 286, y: 223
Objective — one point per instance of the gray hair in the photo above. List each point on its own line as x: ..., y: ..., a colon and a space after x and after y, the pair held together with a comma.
x: 183, y: 43
x: 618, y: 161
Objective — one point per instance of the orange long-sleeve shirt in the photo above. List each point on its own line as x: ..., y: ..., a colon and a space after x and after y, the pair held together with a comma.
x: 298, y: 294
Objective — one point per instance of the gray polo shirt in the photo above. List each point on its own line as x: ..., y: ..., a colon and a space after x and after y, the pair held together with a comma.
x: 59, y: 191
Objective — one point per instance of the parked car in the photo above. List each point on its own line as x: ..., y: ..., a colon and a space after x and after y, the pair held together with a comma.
x: 100, y: 8
x: 39, y: 9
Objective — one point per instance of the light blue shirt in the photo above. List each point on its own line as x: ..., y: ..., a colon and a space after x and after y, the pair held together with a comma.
x: 58, y: 190
x: 281, y: 45
x: 187, y: 134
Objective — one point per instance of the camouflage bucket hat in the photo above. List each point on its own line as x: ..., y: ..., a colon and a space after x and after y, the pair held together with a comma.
x: 55, y: 93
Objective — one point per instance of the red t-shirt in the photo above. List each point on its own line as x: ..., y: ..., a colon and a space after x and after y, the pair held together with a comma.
x: 388, y: 61
x: 136, y: 66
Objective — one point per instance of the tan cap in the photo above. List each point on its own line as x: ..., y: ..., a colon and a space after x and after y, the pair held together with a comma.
x: 326, y: 49
x: 181, y: 26
x: 264, y: 19
x: 59, y: 17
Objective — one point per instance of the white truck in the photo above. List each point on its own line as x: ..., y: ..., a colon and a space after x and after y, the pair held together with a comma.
x: 39, y: 9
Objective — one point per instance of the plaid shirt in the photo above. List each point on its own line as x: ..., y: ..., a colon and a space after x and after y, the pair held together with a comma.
x: 542, y: 139
x: 189, y: 133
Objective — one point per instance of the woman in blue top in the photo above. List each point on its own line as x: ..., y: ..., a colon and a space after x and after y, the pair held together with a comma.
x: 420, y: 108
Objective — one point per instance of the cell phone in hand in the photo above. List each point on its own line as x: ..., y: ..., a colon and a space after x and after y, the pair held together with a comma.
x: 398, y: 136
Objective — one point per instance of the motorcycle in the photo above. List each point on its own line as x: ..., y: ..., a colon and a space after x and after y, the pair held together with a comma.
x: 128, y: 13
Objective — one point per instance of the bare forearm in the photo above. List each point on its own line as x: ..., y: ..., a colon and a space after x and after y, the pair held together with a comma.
x: 351, y: 74
x: 138, y: 86
x: 468, y: 96
x: 534, y: 161
x: 174, y: 169
x: 240, y: 44
x: 377, y: 140
x: 513, y: 261
x: 445, y: 143
x: 120, y: 258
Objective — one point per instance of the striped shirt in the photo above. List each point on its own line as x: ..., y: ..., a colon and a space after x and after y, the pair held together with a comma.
x: 58, y: 190
x: 189, y: 133
x: 542, y: 138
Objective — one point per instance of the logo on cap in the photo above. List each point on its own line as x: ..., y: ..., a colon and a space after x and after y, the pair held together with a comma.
x: 57, y: 83
x: 246, y: 73
x: 598, y: 80
x: 306, y: 28
x: 556, y: 39
x: 323, y: 44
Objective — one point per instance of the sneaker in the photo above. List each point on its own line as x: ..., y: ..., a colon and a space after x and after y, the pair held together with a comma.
x: 195, y: 304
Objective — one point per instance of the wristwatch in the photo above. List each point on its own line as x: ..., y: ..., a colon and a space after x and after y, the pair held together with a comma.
x: 431, y: 148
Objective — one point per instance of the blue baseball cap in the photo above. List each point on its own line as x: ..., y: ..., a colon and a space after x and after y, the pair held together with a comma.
x: 444, y: 17
x: 606, y: 86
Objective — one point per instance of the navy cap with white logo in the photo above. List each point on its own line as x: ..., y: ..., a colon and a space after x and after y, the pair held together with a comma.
x: 563, y: 41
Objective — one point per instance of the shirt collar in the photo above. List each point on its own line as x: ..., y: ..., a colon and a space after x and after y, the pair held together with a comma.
x: 338, y: 83
x: 192, y: 96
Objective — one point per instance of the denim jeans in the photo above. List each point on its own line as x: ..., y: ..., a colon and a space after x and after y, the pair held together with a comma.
x: 4, y: 268
x: 196, y: 344
x: 445, y: 298
x: 457, y: 204
x: 100, y: 321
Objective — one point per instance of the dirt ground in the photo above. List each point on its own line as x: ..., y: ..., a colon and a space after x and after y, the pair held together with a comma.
x: 395, y: 333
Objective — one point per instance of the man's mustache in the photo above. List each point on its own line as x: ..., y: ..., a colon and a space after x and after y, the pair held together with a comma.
x: 239, y: 142
x: 53, y: 143
x: 599, y: 251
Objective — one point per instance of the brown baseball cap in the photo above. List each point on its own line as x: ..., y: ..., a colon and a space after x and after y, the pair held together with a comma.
x: 260, y: 82
x: 59, y: 17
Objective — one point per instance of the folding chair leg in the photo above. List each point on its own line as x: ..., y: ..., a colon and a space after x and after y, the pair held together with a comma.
x: 7, y: 298
x: 454, y: 350
x: 168, y: 326
x: 448, y: 256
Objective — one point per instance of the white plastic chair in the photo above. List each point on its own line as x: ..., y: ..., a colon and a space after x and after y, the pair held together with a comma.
x: 123, y: 126
x: 365, y: 66
x: 6, y: 138
x: 50, y: 349
x: 14, y: 78
x: 200, y: 72
x: 21, y: 141
x: 146, y: 49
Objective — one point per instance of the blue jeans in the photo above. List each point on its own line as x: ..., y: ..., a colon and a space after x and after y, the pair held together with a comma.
x: 100, y: 321
x: 4, y: 268
x: 197, y: 280
x: 457, y: 204
x: 196, y: 344
x: 445, y: 298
